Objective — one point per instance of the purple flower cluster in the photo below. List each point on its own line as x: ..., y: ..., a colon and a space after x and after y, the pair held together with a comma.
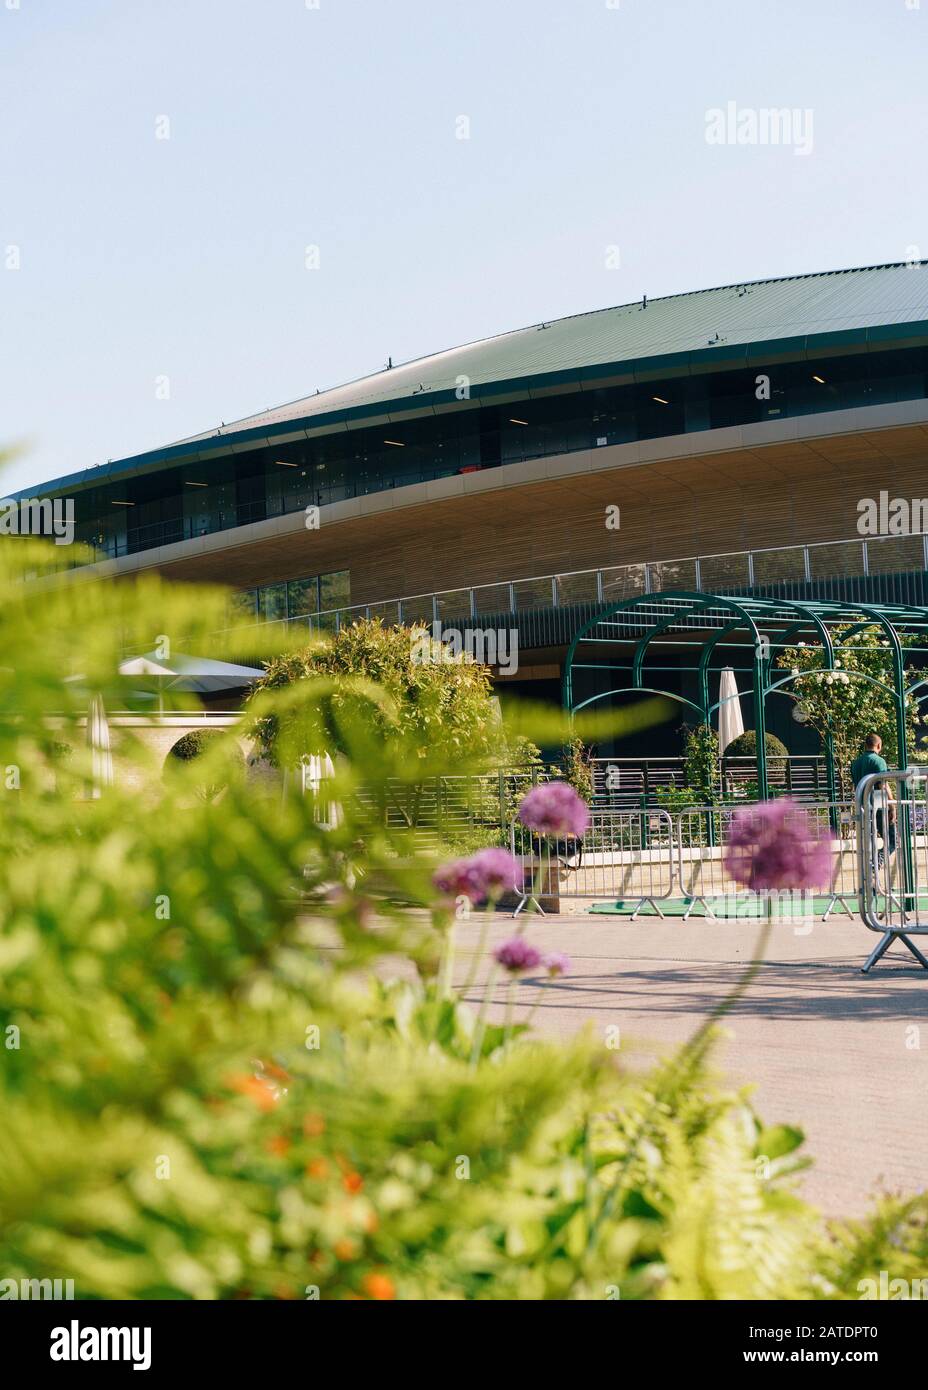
x: 556, y: 963
x: 487, y: 874
x: 776, y: 845
x: 517, y: 954
x: 554, y: 808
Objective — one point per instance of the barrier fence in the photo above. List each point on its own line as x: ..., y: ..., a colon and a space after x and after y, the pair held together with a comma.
x: 650, y: 856
x: 647, y: 857
x: 893, y: 860
x: 624, y: 855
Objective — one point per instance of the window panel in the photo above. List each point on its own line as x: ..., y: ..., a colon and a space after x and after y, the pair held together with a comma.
x: 334, y: 590
x: 302, y: 597
x: 243, y: 604
x: 273, y: 600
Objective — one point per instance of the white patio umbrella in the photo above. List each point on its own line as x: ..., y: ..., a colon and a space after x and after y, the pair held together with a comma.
x: 731, y: 720
x: 201, y: 674
x: 101, y: 757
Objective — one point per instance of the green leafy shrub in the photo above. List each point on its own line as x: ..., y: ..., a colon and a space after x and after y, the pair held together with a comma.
x: 701, y: 762
x: 201, y: 1098
x: 745, y: 746
x: 578, y: 768
x: 856, y: 698
x: 209, y: 759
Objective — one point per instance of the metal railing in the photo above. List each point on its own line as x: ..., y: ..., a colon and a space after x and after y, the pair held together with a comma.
x: 624, y: 783
x: 725, y: 570
x: 623, y: 855
x: 893, y: 860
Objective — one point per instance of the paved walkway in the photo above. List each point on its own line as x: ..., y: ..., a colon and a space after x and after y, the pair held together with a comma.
x: 842, y: 1055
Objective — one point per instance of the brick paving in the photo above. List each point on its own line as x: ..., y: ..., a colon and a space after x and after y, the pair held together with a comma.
x: 842, y: 1055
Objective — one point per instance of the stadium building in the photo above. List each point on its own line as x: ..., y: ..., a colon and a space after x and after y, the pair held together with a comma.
x: 755, y: 439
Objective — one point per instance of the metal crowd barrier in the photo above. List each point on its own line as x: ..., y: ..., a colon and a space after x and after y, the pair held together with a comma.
x: 701, y: 834
x: 648, y: 856
x: 702, y: 841
x: 893, y: 861
x: 623, y: 855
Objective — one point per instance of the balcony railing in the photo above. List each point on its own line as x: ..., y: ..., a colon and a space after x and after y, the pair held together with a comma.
x: 731, y: 569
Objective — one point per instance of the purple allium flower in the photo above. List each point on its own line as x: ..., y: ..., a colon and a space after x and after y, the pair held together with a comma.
x: 556, y: 963
x: 457, y: 878
x: 496, y: 871
x: 517, y: 954
x: 554, y: 808
x: 777, y: 845
x: 486, y: 874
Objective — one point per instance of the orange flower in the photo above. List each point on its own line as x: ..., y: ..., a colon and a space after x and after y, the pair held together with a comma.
x: 252, y: 1086
x: 313, y: 1126
x: 352, y: 1182
x: 317, y: 1168
x: 345, y: 1249
x: 278, y: 1145
x: 378, y: 1286
x: 279, y: 1073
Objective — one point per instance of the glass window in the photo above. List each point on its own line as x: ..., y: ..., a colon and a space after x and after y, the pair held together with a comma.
x: 334, y: 590
x: 243, y: 604
x: 302, y: 597
x: 273, y: 599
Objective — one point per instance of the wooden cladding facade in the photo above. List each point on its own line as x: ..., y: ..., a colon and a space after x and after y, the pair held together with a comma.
x: 778, y: 495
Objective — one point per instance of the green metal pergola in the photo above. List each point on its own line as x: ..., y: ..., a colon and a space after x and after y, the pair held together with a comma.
x: 623, y: 645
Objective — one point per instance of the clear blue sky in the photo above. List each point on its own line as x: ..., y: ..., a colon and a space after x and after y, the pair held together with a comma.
x: 292, y: 126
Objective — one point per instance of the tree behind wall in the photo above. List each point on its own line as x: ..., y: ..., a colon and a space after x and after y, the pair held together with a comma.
x: 438, y: 706
x: 847, y: 704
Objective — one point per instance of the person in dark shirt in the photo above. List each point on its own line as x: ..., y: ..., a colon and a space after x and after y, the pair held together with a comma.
x: 871, y: 760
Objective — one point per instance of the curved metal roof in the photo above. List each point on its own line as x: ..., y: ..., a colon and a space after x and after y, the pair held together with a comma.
x: 762, y: 312
x: 716, y: 329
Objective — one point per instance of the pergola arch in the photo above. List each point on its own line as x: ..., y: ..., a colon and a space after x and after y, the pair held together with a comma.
x: 640, y: 626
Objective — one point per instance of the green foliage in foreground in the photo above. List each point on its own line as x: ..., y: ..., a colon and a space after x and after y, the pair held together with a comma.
x: 207, y: 1093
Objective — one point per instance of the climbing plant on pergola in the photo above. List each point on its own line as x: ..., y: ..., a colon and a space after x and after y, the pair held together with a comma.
x: 623, y: 647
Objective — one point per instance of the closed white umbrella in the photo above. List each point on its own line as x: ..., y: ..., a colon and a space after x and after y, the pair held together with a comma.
x: 314, y: 772
x: 731, y: 720
x: 101, y: 757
